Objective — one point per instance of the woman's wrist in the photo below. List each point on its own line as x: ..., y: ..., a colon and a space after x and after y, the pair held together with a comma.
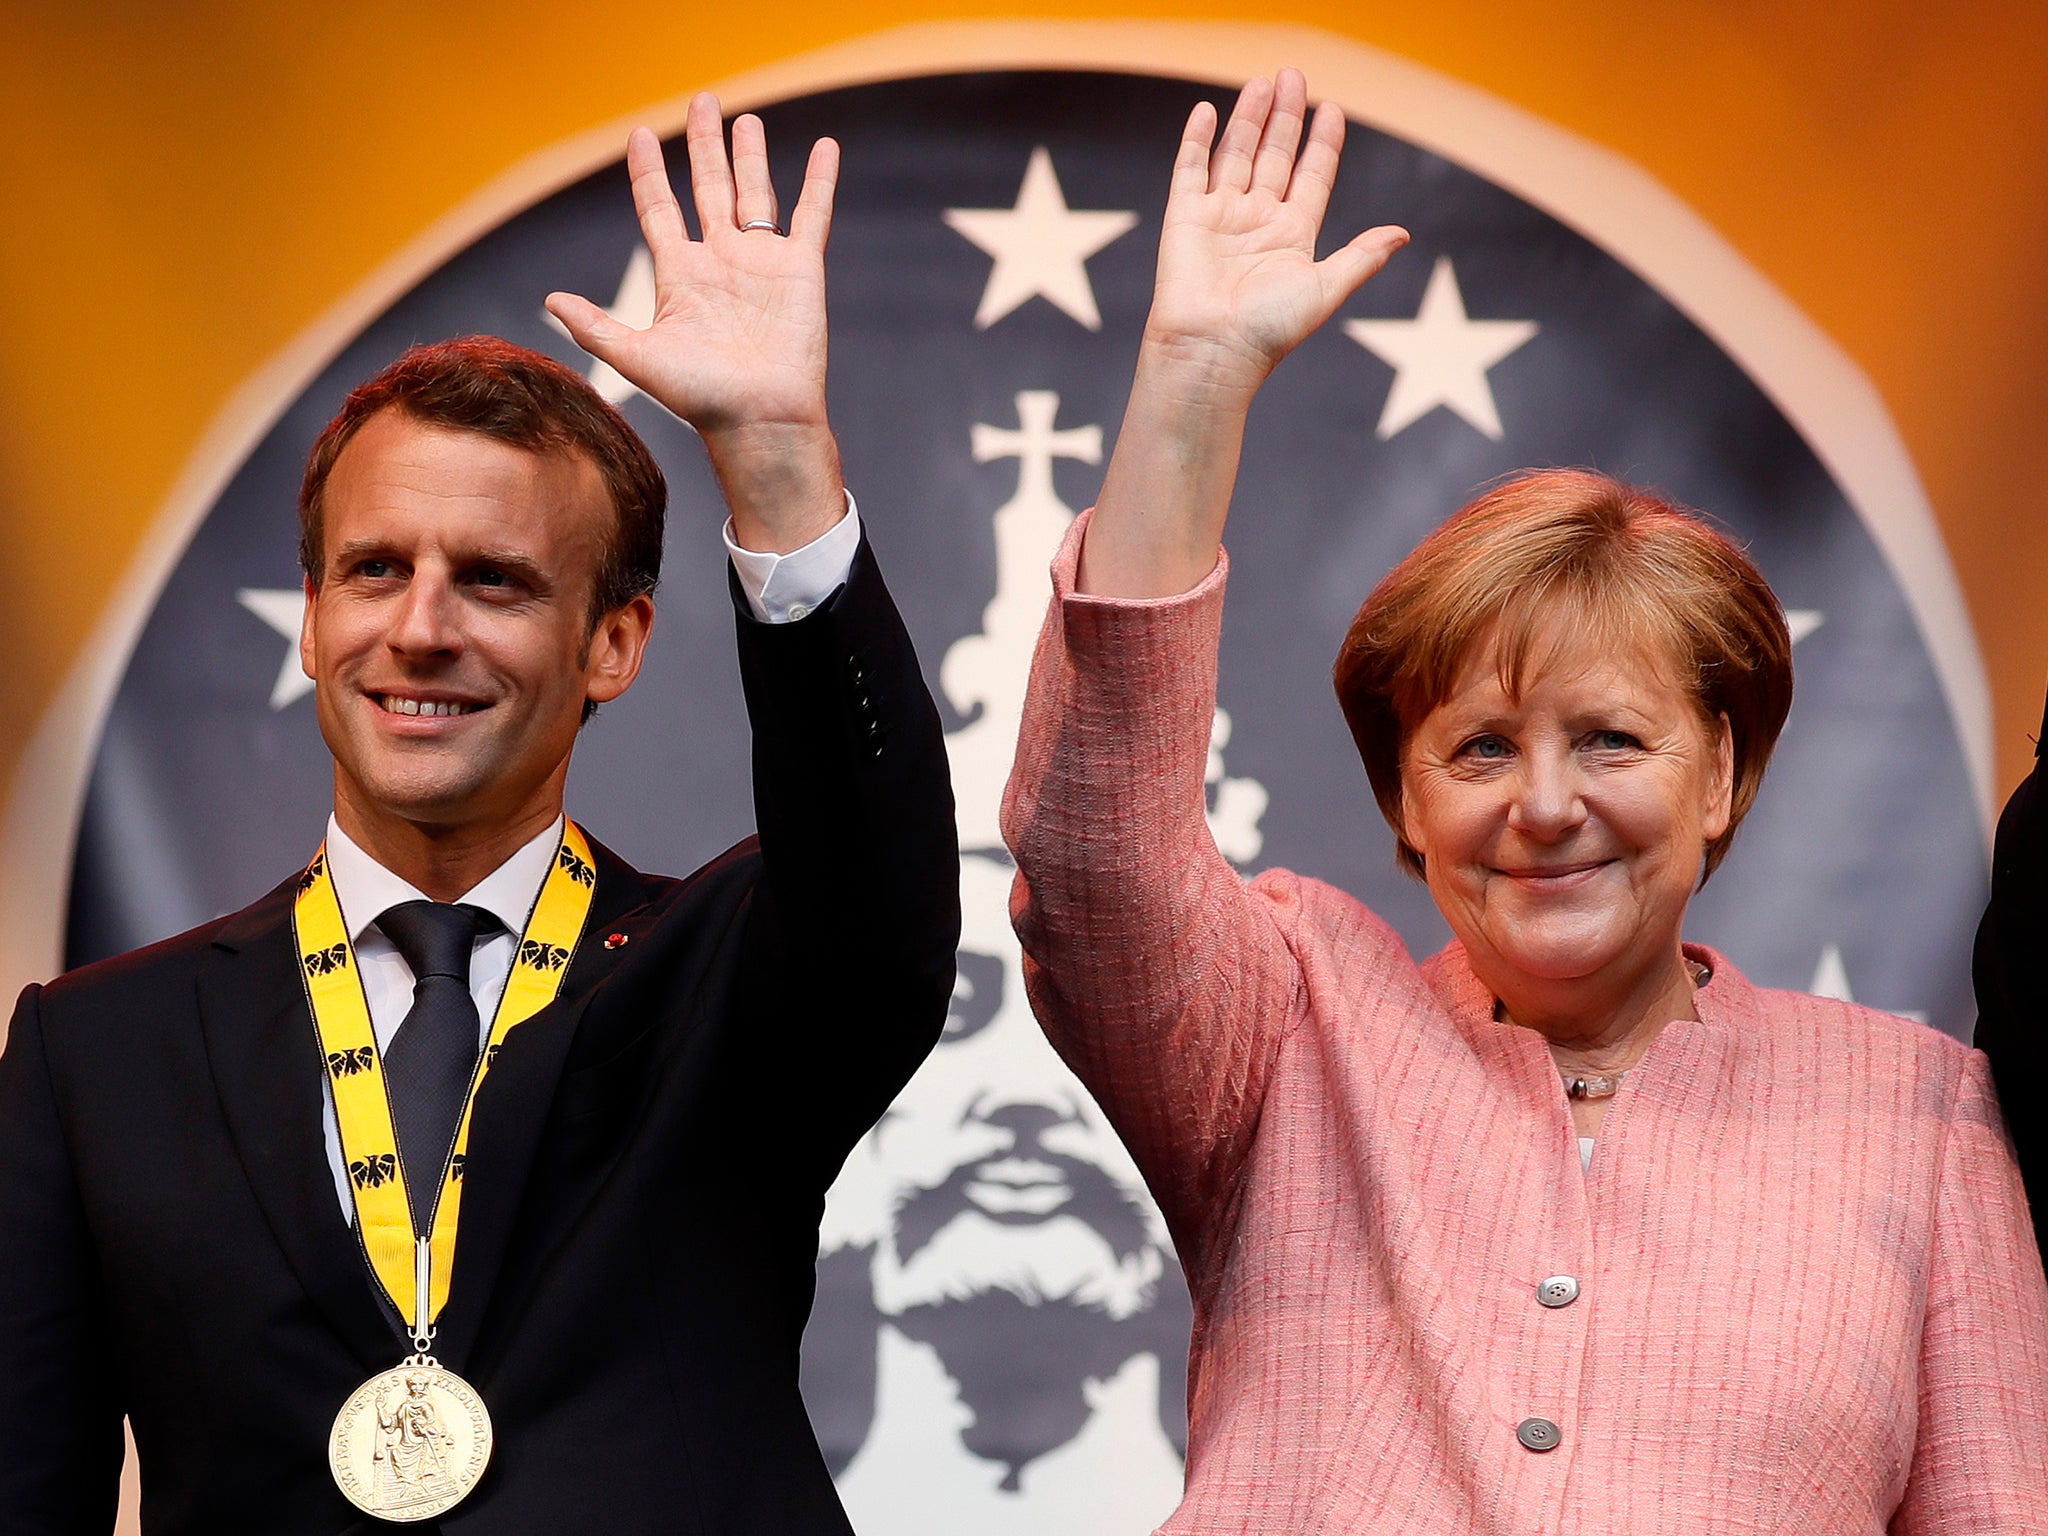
x: 1204, y: 375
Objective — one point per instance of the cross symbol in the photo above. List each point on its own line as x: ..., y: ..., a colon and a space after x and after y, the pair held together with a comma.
x: 1036, y: 443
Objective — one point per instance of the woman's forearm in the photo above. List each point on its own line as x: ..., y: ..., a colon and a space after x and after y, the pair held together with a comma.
x: 1159, y: 521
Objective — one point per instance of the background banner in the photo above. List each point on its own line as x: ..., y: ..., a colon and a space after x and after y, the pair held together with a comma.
x: 1001, y: 1323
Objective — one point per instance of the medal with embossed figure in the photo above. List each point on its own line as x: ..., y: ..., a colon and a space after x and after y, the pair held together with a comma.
x: 412, y: 1442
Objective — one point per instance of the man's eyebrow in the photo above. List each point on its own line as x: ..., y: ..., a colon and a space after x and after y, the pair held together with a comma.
x: 360, y: 549
x: 510, y: 561
x: 522, y: 566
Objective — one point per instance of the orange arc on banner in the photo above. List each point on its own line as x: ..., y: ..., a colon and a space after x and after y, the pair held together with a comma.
x: 1600, y: 194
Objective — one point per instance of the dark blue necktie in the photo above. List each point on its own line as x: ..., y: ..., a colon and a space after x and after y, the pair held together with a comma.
x: 433, y: 1055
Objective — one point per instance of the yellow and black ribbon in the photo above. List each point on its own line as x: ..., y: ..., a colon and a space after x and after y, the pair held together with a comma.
x: 355, y: 1068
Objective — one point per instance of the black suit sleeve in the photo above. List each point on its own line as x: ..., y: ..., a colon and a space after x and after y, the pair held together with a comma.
x: 60, y: 1468
x: 859, y: 911
x: 2012, y: 980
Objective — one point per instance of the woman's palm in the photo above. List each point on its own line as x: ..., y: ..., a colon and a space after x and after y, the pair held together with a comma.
x: 1238, y: 277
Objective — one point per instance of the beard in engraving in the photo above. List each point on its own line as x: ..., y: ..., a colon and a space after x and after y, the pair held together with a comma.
x: 994, y: 1218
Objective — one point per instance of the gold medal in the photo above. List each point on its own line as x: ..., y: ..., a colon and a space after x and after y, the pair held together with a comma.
x: 410, y: 1443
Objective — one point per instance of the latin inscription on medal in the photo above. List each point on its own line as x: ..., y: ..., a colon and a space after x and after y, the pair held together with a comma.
x: 411, y: 1443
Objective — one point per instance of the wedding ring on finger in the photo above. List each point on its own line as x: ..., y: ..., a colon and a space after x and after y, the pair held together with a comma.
x: 768, y: 224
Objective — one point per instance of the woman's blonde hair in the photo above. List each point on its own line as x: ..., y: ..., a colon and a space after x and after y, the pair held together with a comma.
x: 1632, y: 572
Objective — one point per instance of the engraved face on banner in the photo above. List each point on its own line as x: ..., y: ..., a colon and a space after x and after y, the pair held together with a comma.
x: 1023, y: 1291
x: 1021, y: 1279
x: 1001, y: 1324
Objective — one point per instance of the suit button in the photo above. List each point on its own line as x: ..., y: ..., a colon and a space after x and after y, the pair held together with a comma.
x: 799, y: 611
x: 1558, y: 1291
x: 1538, y: 1434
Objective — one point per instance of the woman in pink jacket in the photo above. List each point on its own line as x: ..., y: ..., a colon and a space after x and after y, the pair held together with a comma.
x: 1569, y: 1228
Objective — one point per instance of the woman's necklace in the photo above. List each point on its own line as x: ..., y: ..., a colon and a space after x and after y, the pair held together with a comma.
x: 1603, y: 1085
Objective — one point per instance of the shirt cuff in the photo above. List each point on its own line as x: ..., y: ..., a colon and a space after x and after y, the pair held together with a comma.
x: 781, y: 589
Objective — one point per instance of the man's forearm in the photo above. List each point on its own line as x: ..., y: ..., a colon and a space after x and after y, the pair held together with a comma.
x: 781, y: 481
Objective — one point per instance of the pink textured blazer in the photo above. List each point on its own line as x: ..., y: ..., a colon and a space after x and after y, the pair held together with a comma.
x: 1808, y: 1295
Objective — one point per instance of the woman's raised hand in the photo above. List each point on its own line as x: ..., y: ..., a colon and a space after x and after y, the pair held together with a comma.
x: 1239, y: 286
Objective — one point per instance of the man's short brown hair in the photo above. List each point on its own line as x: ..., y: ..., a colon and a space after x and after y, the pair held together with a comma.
x: 1632, y: 571
x: 487, y: 385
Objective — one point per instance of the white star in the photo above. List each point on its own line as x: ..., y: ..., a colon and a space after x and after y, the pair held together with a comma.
x: 283, y: 609
x: 1041, y: 247
x: 1440, y: 357
x: 635, y: 307
x: 1831, y: 979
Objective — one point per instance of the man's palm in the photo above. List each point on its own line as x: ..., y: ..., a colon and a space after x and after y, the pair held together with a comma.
x: 738, y: 335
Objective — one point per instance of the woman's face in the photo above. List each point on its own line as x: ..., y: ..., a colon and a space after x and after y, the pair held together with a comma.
x: 1562, y: 832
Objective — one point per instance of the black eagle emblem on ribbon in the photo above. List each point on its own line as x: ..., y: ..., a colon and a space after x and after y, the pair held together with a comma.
x: 579, y: 871
x: 491, y: 1056
x: 542, y: 957
x: 349, y: 1063
x: 457, y: 1165
x: 322, y: 961
x: 313, y: 872
x: 371, y: 1172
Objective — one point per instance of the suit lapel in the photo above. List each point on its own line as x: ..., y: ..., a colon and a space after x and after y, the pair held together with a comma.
x: 512, y: 1108
x: 265, y: 1060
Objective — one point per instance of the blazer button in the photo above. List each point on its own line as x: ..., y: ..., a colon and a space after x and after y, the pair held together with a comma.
x: 1558, y: 1291
x: 799, y: 612
x: 1539, y: 1434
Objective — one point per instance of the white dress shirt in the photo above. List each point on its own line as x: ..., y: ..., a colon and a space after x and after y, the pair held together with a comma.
x: 784, y: 588
x: 780, y: 589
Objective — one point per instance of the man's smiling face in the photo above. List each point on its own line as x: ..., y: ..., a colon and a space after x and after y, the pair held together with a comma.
x: 450, y: 633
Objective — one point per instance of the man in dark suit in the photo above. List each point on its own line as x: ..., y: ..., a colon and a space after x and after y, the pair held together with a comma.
x: 187, y: 1207
x: 2012, y: 983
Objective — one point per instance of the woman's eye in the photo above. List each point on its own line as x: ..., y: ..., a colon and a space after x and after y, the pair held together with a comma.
x: 1613, y: 741
x: 1486, y: 748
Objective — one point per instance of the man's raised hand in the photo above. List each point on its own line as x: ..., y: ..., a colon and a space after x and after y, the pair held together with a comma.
x: 1238, y: 285
x: 738, y: 342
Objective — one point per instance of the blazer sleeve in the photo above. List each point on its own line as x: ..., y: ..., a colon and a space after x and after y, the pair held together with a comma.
x: 60, y: 1413
x: 1980, y: 1460
x: 1164, y: 980
x: 2012, y: 993
x: 851, y: 943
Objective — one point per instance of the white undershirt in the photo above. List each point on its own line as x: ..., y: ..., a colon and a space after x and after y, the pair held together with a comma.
x: 1586, y: 1153
x: 780, y: 589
